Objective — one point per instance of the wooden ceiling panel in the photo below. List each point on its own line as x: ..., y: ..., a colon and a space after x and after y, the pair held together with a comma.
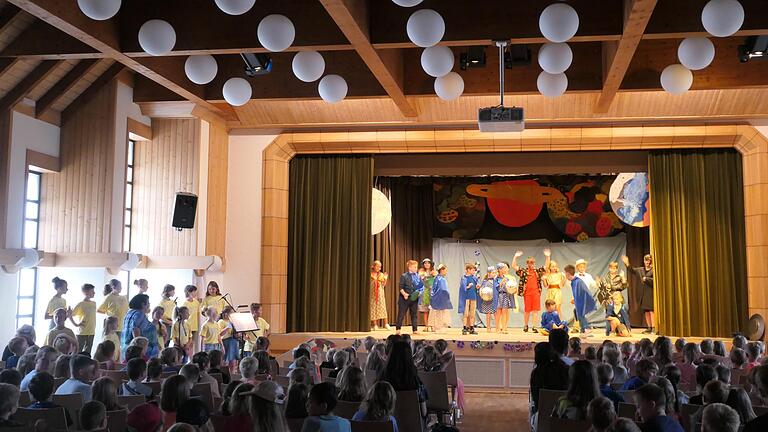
x: 82, y: 84
x: 51, y: 80
x: 14, y: 27
x: 672, y: 17
x: 15, y: 74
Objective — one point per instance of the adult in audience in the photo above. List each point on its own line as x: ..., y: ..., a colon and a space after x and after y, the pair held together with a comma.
x: 45, y: 361
x: 299, y: 353
x: 296, y: 401
x: 402, y: 374
x: 237, y: 409
x: 704, y: 374
x: 376, y: 360
x: 738, y: 399
x: 195, y: 412
x: 379, y: 405
x: 104, y: 390
x: 18, y: 346
x: 170, y: 358
x: 28, y: 333
x: 340, y: 360
x: 40, y: 392
x: 322, y: 401
x: 93, y: 416
x: 9, y: 403
x: 300, y: 375
x: 760, y: 423
x: 105, y: 354
x: 612, y: 356
x: 558, y: 340
x: 82, y: 371
x: 328, y: 362
x: 26, y: 364
x: 10, y: 376
x: 351, y: 385
x: 644, y: 370
x: 192, y: 374
x: 430, y: 360
x: 605, y: 379
x: 174, y: 392
x: 582, y: 388
x: 601, y: 414
x: 145, y: 418
x: 229, y: 390
x: 137, y: 324
x: 137, y: 372
x: 549, y: 373
x: 664, y: 352
x: 719, y: 418
x: 265, y: 407
x: 651, y: 408
x: 248, y: 368
x: 264, y: 370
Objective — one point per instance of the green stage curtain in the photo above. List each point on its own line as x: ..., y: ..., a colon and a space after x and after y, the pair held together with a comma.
x: 698, y: 242
x: 329, y: 243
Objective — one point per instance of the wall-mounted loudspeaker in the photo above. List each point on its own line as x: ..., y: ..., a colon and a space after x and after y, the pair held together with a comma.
x: 184, y: 211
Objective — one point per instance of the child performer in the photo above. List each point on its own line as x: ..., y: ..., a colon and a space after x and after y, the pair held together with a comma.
x: 504, y: 285
x: 142, y: 284
x: 468, y: 297
x: 57, y: 301
x: 427, y: 274
x: 193, y: 305
x: 614, y: 283
x: 228, y: 340
x: 551, y: 319
x: 212, y: 298
x: 162, y: 332
x: 181, y: 334
x: 114, y: 304
x: 169, y: 305
x: 110, y: 334
x: 211, y: 332
x: 529, y: 286
x: 554, y: 280
x: 251, y: 337
x: 489, y: 296
x: 378, y: 300
x: 85, y: 311
x: 440, y: 301
x: 582, y: 299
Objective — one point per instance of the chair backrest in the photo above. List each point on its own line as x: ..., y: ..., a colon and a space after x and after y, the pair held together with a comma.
x: 408, y: 411
x: 131, y: 401
x: 24, y: 399
x: 205, y: 393
x: 219, y: 423
x: 53, y: 417
x: 451, y: 375
x: 282, y: 380
x: 547, y: 400
x: 116, y: 420
x: 346, y: 409
x: 628, y: 395
x: 165, y: 375
x: 760, y: 410
x: 437, y: 389
x: 627, y: 410
x: 117, y: 376
x: 330, y: 380
x: 370, y: 378
x: 686, y: 412
x: 557, y: 424
x: 324, y: 372
x: 72, y: 403
x: 363, y: 426
x: 274, y: 367
x: 218, y: 377
x: 294, y: 424
x: 155, y: 386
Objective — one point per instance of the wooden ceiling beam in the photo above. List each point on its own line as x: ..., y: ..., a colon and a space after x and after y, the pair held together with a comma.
x: 7, y: 63
x: 105, y: 78
x: 352, y: 18
x: 28, y: 83
x: 48, y: 43
x: 59, y: 89
x: 8, y: 15
x: 617, y: 57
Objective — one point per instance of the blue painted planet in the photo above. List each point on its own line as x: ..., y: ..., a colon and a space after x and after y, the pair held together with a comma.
x: 629, y: 199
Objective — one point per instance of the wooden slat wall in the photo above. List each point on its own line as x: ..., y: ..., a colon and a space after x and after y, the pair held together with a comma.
x: 166, y: 164
x: 216, y: 225
x: 75, y: 210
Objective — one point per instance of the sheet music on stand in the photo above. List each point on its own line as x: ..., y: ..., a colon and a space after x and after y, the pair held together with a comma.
x: 243, y: 322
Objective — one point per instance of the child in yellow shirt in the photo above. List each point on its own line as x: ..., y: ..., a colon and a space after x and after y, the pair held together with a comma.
x: 211, y: 331
x: 157, y: 321
x: 263, y: 329
x: 85, y: 312
x: 110, y: 334
x: 180, y: 333
x: 57, y: 301
x: 168, y: 305
x: 228, y: 339
x: 212, y: 298
x: 193, y: 304
x: 114, y: 304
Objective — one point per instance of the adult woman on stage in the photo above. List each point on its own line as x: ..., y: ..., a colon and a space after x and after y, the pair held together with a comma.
x: 427, y: 274
x: 554, y: 281
x: 646, y: 295
x: 529, y: 286
x: 378, y: 302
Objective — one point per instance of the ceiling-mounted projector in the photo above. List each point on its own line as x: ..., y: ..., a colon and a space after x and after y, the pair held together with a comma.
x: 500, y: 118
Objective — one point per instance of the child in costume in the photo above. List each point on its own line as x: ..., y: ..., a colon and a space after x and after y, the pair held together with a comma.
x: 504, y: 284
x: 582, y: 299
x: 440, y: 301
x: 551, y: 319
x: 489, y: 297
x: 468, y: 295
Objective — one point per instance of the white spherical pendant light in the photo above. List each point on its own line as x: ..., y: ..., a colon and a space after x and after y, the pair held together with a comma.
x: 332, y: 88
x: 157, y: 37
x: 237, y: 91
x: 99, y: 10
x: 276, y: 32
x: 425, y: 28
x: 696, y: 53
x: 235, y: 7
x: 555, y: 58
x: 201, y: 69
x: 406, y: 3
x: 558, y: 22
x: 437, y: 60
x: 676, y: 79
x: 450, y: 86
x: 308, y: 66
x: 722, y: 18
x: 552, y: 85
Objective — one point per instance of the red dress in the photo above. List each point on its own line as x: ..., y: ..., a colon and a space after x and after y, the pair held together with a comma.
x: 532, y: 295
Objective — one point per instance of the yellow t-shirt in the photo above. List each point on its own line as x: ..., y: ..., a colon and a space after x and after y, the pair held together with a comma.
x: 180, y: 337
x: 85, y: 311
x: 224, y: 325
x: 115, y: 340
x: 168, y: 305
x: 160, y: 338
x: 212, y: 301
x: 55, y: 332
x: 55, y: 303
x: 194, y: 314
x: 210, y: 333
x: 116, y: 306
x: 250, y: 337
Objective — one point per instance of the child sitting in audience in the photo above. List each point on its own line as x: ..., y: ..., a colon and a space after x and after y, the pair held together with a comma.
x: 753, y: 355
x: 93, y: 416
x: 17, y: 346
x: 691, y: 354
x: 612, y: 356
x: 739, y: 401
x: 195, y: 412
x: 105, y: 354
x: 296, y: 401
x: 227, y: 395
x: 217, y: 357
x: 145, y: 418
x: 192, y: 374
x: 379, y: 405
x: 672, y: 373
x: 601, y: 414
x: 714, y: 392
x: 26, y: 364
x: 45, y: 361
x: 574, y: 348
x: 645, y: 370
x: 82, y: 370
x: 40, y: 392
x: 328, y: 363
x: 237, y: 408
x: 10, y: 376
x: 170, y: 358
x: 64, y: 345
x: 322, y: 401
x: 104, y: 390
x: 351, y: 384
x: 203, y: 362
x: 590, y: 354
x: 430, y: 360
x: 9, y: 403
x: 760, y: 423
x: 679, y: 346
x: 719, y: 418
x: 60, y: 321
x: 651, y: 408
x: 132, y: 352
x: 137, y: 372
x: 154, y: 370
x: 704, y: 374
x: 605, y: 379
x: 141, y: 341
x: 300, y: 375
x: 61, y: 370
x: 582, y: 388
x: 110, y: 334
x: 174, y: 392
x: 340, y: 360
x: 723, y: 373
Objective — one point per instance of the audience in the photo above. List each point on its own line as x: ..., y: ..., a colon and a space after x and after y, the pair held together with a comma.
x: 612, y: 356
x: 9, y: 403
x: 93, y: 416
x: 582, y: 388
x: 45, y: 361
x: 652, y: 410
x: 137, y: 372
x: 174, y: 392
x: 351, y: 385
x: 248, y: 368
x: 704, y: 374
x: 10, y: 376
x: 203, y: 362
x: 296, y: 401
x: 154, y: 370
x: 217, y: 357
x: 601, y: 414
x: 558, y: 339
x: 82, y: 370
x: 550, y: 372
x: 719, y: 417
x: 379, y: 405
x: 145, y: 418
x: 104, y: 390
x: 340, y: 360
x: 738, y: 399
x: 41, y: 391
x: 194, y: 412
x: 605, y: 379
x: 760, y: 423
x: 645, y: 369
x: 264, y: 406
x: 402, y: 374
x: 322, y: 401
x: 61, y: 369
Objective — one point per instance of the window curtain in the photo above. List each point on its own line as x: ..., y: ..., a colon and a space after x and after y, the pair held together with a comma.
x: 409, y: 234
x: 698, y: 242
x: 329, y: 243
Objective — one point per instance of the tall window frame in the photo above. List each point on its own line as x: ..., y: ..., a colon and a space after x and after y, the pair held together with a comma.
x: 28, y: 277
x: 128, y: 206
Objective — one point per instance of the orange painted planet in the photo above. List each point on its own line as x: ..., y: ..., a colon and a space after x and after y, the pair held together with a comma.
x: 514, y: 203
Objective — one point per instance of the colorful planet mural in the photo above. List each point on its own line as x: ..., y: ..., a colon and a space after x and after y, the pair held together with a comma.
x: 629, y: 199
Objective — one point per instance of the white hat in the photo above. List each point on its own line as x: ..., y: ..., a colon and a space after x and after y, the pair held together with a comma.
x: 269, y: 391
x: 581, y: 261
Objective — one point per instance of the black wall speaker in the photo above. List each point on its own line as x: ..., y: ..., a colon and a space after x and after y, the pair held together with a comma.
x: 184, y: 211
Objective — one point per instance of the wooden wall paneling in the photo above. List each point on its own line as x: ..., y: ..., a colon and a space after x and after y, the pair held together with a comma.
x: 216, y: 224
x: 6, y: 125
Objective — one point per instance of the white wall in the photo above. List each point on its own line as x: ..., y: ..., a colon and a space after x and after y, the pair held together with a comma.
x: 243, y: 247
x: 8, y: 288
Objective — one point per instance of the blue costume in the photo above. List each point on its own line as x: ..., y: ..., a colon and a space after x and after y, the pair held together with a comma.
x: 506, y: 297
x: 489, y: 307
x: 583, y: 301
x: 468, y: 294
x: 550, y: 319
x: 441, y: 298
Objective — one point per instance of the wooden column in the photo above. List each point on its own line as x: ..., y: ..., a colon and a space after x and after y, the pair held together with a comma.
x: 216, y: 210
x: 6, y: 117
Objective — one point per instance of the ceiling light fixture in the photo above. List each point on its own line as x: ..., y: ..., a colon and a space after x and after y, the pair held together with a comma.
x: 256, y: 64
x: 473, y: 57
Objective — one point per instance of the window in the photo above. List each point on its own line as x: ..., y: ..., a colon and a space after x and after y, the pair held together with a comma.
x: 128, y: 216
x: 25, y: 304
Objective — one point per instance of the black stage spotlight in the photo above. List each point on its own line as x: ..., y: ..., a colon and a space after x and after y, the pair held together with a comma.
x: 754, y: 47
x: 473, y: 57
x: 517, y: 55
x: 256, y: 64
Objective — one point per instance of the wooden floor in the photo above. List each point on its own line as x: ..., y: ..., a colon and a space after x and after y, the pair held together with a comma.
x: 495, y: 412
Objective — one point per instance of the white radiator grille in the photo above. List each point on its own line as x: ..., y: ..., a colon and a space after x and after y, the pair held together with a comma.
x: 481, y: 372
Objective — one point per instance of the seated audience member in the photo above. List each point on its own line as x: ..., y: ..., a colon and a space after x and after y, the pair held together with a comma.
x: 644, y: 351
x: 340, y: 360
x: 328, y: 363
x: 17, y: 346
x: 299, y: 353
x: 203, y: 362
x: 322, y: 401
x: 738, y: 399
x: 265, y: 407
x: 714, y: 392
x: 299, y: 375
x: 719, y: 417
x: 249, y: 367
x: 27, y: 332
x: 612, y: 356
x: 26, y: 364
x: 237, y: 408
x: 137, y: 372
x: 753, y: 355
x: 10, y: 376
x: 624, y: 425
x: 369, y: 342
x: 446, y: 355
x: 45, y: 361
x: 82, y: 371
x: 644, y: 371
x: 723, y: 373
x: 229, y: 390
x: 672, y: 373
x: 192, y: 374
x: 175, y: 391
x: 93, y: 416
x: 673, y: 409
x: 574, y: 348
x: 145, y: 418
x: 402, y: 374
x: 9, y: 403
x: 738, y: 358
x: 430, y: 360
x: 64, y: 345
x: 170, y: 358
x: 549, y: 373
x: 601, y: 414
x: 704, y: 374
x: 351, y: 385
x: 590, y: 354
x: 61, y: 370
x: 582, y: 388
x: 194, y: 412
x: 154, y: 370
x: 663, y: 352
x: 605, y: 378
x: 217, y: 357
x: 105, y: 353
x: 760, y: 423
x: 182, y: 427
x: 707, y: 347
x: 40, y: 392
x: 651, y: 407
x: 143, y: 343
x: 296, y: 401
x: 262, y: 344
x: 104, y: 390
x: 679, y: 347
x: 739, y: 341
x: 374, y: 363
x: 558, y: 340
x: 310, y: 367
x: 264, y: 371
x: 379, y: 405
